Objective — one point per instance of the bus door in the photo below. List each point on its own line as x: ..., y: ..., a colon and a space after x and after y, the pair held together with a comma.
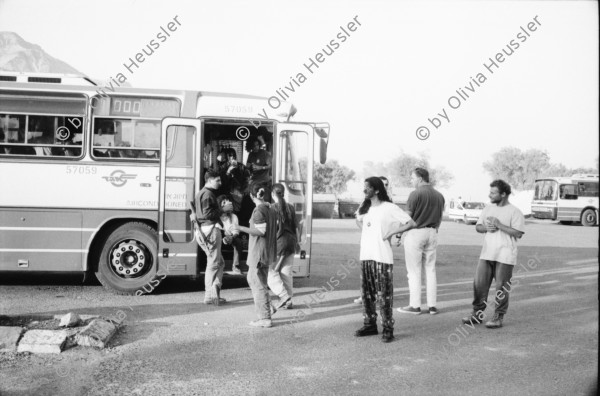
x: 180, y: 146
x: 294, y: 169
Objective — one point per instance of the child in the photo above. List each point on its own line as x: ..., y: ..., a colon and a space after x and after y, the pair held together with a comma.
x: 231, y: 231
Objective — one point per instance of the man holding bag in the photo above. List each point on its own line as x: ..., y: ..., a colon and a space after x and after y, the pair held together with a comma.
x: 208, y: 236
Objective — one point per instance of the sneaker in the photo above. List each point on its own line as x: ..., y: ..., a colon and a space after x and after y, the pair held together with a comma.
x: 283, y: 302
x: 433, y: 311
x: 221, y: 301
x: 410, y: 310
x: 388, y: 336
x: 366, y: 330
x: 261, y: 323
x: 289, y: 305
x: 496, y: 322
x: 236, y: 271
x: 358, y: 300
x: 471, y: 319
x: 216, y: 291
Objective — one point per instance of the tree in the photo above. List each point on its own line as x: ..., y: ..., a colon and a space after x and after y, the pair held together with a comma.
x: 521, y: 168
x: 516, y: 167
x: 399, y: 169
x: 331, y: 177
x: 557, y: 170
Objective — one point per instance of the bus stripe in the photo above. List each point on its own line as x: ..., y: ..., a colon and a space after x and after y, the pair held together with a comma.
x: 46, y: 250
x: 46, y: 229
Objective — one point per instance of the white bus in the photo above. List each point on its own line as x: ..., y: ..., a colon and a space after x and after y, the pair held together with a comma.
x: 567, y: 199
x: 100, y: 180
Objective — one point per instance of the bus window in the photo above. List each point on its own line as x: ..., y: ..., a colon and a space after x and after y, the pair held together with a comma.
x: 41, y: 135
x: 588, y: 189
x: 121, y: 138
x: 546, y: 190
x: 568, y: 191
x: 180, y: 151
x: 295, y: 167
x: 12, y: 130
x: 129, y: 127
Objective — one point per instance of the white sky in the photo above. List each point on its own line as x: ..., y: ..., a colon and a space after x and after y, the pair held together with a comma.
x: 395, y: 71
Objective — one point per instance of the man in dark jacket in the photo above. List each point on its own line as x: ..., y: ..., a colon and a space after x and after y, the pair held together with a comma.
x: 208, y: 235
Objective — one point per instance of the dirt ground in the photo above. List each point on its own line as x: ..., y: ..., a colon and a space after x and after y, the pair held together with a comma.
x: 172, y: 344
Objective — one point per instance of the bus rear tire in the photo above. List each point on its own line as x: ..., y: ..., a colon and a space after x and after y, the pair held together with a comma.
x: 588, y: 218
x: 128, y: 259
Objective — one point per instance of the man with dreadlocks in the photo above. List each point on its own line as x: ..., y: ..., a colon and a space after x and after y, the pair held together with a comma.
x: 377, y: 215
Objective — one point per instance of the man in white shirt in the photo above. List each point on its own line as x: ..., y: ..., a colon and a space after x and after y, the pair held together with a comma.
x: 502, y: 223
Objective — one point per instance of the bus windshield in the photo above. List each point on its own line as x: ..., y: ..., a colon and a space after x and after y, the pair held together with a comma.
x: 546, y: 190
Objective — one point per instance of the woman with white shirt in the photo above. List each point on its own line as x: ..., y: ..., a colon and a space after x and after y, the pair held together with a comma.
x: 376, y: 217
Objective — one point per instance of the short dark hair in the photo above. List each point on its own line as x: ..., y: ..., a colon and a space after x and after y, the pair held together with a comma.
x: 422, y: 173
x: 211, y: 174
x: 231, y: 152
x: 502, y: 186
x: 221, y: 198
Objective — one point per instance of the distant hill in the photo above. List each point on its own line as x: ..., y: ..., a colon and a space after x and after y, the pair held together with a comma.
x: 18, y: 55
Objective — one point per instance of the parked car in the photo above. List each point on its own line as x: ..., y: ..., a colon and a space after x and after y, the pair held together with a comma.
x: 467, y: 211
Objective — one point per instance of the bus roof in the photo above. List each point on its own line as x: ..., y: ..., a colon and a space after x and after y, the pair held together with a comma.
x: 572, y: 179
x: 230, y: 105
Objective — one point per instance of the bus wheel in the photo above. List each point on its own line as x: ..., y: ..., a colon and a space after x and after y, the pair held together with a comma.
x: 588, y: 218
x: 128, y: 259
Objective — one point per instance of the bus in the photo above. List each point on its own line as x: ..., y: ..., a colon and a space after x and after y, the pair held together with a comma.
x: 99, y: 180
x: 567, y: 199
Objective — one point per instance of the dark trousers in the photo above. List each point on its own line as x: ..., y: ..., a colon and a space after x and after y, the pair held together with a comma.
x: 485, y: 272
x: 377, y: 286
x: 238, y: 246
x: 257, y: 280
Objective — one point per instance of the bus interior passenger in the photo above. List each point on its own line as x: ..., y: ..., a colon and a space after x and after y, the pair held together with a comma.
x: 227, y: 152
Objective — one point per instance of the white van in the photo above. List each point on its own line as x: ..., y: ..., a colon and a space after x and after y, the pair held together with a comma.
x: 467, y: 211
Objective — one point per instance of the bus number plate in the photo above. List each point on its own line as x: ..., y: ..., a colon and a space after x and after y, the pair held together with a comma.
x: 81, y: 170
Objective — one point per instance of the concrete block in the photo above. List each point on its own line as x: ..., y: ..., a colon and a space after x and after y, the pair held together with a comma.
x: 97, y: 334
x: 82, y: 317
x: 70, y: 320
x: 43, y: 341
x: 9, y: 336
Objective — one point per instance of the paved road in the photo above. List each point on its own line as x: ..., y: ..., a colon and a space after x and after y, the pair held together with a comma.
x: 174, y: 345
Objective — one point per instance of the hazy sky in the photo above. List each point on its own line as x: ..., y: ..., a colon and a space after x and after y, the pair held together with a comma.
x: 398, y: 69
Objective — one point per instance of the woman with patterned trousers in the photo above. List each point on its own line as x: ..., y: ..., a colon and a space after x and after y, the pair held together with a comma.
x: 377, y: 215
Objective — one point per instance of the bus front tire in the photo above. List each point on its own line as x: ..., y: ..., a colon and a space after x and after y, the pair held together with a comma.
x: 128, y: 259
x: 588, y: 218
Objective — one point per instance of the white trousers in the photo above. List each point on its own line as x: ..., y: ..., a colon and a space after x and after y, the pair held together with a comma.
x: 282, y: 282
x: 420, y: 246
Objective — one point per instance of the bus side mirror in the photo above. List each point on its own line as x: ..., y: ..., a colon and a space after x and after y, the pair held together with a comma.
x: 323, y: 151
